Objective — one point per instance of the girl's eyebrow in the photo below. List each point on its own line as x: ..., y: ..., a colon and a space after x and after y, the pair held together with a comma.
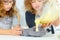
x: 33, y: 0
x: 7, y: 0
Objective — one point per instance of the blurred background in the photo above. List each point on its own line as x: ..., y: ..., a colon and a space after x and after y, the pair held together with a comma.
x: 20, y: 6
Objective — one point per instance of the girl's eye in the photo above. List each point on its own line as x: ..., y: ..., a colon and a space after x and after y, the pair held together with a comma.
x: 33, y: 1
x: 11, y: 2
x: 5, y: 1
x: 40, y: 0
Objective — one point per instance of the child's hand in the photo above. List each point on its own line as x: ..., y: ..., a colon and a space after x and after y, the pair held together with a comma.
x: 45, y: 25
x: 16, y: 30
x: 56, y: 22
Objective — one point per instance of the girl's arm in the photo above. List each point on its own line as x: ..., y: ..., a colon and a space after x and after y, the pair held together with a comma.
x: 5, y: 32
x: 15, y: 31
x: 56, y: 22
x: 30, y: 19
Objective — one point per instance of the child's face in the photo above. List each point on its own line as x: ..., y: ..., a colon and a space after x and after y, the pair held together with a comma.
x: 7, y: 4
x: 37, y: 4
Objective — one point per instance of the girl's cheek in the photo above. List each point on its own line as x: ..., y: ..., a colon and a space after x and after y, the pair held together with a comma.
x: 33, y: 5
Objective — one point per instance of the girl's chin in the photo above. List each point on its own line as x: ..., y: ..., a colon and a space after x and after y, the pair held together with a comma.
x: 38, y: 9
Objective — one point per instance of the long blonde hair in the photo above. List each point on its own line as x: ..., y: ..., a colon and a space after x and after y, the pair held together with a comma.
x: 10, y: 13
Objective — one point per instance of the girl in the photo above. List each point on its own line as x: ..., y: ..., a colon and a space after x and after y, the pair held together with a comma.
x: 34, y: 10
x: 8, y: 18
